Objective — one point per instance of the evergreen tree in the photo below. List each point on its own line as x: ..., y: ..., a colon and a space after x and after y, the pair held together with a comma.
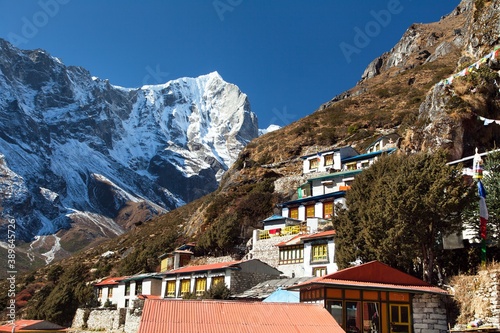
x: 491, y: 182
x: 399, y: 209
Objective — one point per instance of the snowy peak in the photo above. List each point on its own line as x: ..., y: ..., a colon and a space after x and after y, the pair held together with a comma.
x: 76, y: 149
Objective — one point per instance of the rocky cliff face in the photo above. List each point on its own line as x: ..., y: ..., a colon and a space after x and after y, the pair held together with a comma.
x: 89, y: 159
x: 448, y: 117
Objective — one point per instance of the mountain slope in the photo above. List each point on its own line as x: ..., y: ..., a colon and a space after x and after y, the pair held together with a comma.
x: 401, y: 96
x: 89, y: 159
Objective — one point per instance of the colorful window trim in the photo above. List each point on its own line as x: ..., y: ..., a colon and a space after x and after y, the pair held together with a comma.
x: 201, y: 286
x: 291, y: 254
x: 319, y: 271
x: 171, y: 288
x: 328, y: 159
x: 400, y: 318
x: 217, y: 279
x: 185, y: 286
x: 313, y: 163
x: 327, y: 210
x: 294, y: 212
x: 319, y: 253
x: 110, y: 292
x: 310, y: 212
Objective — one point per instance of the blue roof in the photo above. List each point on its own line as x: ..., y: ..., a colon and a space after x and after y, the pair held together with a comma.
x: 274, y: 218
x: 367, y: 155
x: 283, y: 296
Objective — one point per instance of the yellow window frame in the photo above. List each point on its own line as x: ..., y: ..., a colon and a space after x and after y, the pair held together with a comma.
x: 185, y: 286
x: 201, y: 286
x: 313, y: 163
x: 397, y: 324
x: 329, y: 159
x: 319, y: 252
x: 171, y: 288
x: 217, y: 279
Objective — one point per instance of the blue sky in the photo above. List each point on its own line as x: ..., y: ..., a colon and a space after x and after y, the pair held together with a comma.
x: 288, y: 56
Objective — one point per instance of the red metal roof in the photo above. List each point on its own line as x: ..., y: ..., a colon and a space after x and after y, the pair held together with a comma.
x: 375, y: 275
x: 111, y: 281
x: 32, y: 326
x: 149, y: 297
x: 208, y: 267
x: 184, y: 316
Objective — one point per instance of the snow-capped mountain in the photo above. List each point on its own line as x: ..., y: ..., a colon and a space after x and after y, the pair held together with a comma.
x: 79, y: 152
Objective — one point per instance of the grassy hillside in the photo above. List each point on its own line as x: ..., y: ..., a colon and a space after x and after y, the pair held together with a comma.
x: 221, y: 223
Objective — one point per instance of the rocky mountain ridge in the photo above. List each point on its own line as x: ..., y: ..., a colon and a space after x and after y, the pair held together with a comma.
x: 404, y: 97
x: 82, y: 159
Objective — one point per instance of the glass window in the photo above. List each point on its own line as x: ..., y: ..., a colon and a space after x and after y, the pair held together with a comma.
x: 351, y: 166
x: 319, y: 271
x: 201, y: 286
x: 319, y: 253
x: 185, y: 286
x: 371, y: 321
x: 310, y: 211
x: 171, y: 288
x: 353, y: 317
x: 138, y: 288
x: 294, y: 213
x: 327, y: 209
x: 291, y: 254
x: 329, y: 159
x: 217, y: 280
x: 313, y: 163
x: 335, y: 308
x: 110, y: 292
x: 400, y: 318
x: 127, y: 288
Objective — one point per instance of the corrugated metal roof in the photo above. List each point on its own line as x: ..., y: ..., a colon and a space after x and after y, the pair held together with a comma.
x: 183, y: 316
x: 378, y: 286
x: 111, y: 281
x: 266, y: 288
x: 143, y: 276
x: 32, y: 326
x: 207, y: 267
x: 374, y: 275
x: 368, y: 155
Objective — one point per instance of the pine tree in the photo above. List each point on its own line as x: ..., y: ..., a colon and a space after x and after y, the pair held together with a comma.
x: 399, y: 209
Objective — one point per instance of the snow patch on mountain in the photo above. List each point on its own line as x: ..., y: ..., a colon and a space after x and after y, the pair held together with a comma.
x: 75, y: 149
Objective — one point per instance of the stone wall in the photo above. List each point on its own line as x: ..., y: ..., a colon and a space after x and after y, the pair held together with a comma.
x: 245, y: 281
x: 429, y: 314
x: 266, y: 250
x: 132, y: 321
x: 490, y: 291
x: 478, y: 297
x: 106, y: 320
